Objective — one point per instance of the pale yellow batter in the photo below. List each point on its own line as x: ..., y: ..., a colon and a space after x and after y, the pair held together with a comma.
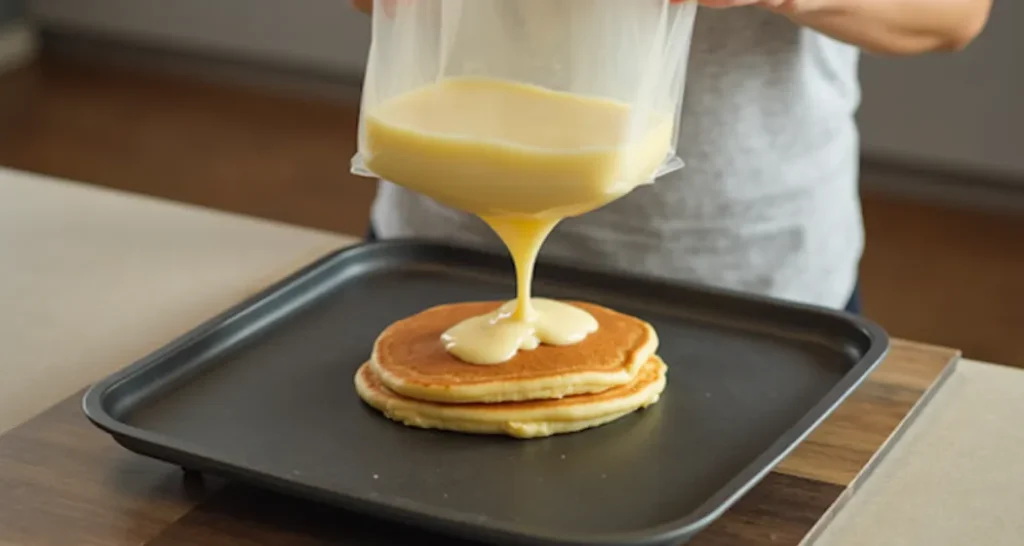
x: 522, y: 158
x: 482, y: 339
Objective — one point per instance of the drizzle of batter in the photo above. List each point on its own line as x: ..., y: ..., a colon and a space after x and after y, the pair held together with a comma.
x: 522, y: 158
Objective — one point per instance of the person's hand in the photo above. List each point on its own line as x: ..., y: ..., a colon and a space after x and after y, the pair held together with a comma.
x: 781, y: 6
x: 365, y: 6
x: 895, y: 27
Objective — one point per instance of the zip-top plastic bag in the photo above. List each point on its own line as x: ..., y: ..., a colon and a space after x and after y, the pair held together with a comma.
x: 524, y: 107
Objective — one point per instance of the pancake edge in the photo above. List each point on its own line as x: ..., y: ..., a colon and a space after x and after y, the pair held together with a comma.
x: 525, y: 424
x: 542, y: 388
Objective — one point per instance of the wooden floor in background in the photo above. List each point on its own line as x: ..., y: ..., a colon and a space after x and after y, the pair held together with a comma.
x: 939, y: 275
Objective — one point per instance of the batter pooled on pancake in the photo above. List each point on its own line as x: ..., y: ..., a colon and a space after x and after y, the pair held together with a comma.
x: 497, y: 336
x: 410, y: 359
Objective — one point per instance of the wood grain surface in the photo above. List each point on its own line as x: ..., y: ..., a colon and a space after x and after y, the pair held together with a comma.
x: 64, y: 482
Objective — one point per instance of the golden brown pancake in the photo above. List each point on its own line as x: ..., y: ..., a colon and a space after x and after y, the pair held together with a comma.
x: 410, y: 359
x: 530, y: 419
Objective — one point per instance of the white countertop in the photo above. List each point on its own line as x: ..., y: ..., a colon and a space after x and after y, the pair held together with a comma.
x: 91, y: 280
x: 955, y: 478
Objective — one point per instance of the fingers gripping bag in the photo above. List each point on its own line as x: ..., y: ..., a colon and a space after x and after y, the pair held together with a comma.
x: 524, y: 107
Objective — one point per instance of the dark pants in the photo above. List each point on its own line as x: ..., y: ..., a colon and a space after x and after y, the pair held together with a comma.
x: 852, y: 306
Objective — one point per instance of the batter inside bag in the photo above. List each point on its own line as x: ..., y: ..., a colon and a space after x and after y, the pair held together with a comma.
x: 523, y: 112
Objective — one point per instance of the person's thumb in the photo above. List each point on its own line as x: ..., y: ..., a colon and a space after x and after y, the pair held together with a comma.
x: 365, y: 6
x: 719, y: 4
x: 388, y: 6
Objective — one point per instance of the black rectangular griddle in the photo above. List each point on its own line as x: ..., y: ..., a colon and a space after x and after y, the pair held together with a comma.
x: 263, y: 394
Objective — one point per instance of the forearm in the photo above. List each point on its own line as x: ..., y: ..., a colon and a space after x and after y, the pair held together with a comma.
x: 895, y: 27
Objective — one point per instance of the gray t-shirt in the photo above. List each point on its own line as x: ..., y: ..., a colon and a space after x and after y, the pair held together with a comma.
x: 767, y: 202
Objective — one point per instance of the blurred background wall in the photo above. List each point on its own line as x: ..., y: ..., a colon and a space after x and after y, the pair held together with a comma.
x: 928, y: 111
x: 10, y: 10
x: 17, y: 40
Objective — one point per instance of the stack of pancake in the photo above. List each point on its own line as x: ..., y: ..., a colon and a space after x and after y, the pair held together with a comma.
x: 412, y: 379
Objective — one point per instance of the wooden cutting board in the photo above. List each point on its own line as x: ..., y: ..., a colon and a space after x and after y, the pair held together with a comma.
x: 64, y: 482
x: 795, y: 502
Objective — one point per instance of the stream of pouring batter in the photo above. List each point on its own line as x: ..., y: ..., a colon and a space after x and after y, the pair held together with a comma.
x: 526, y: 322
x: 522, y: 158
x: 523, y: 237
